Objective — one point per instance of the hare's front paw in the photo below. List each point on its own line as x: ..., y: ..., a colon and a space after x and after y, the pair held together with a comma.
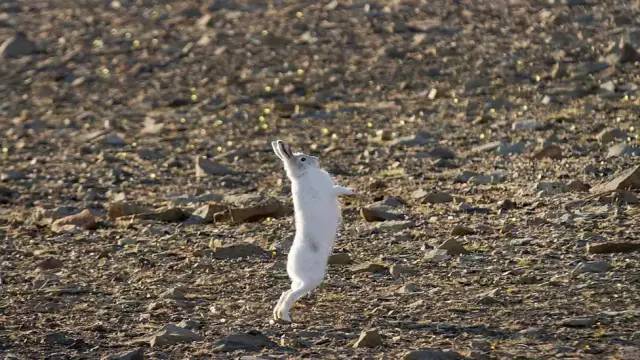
x: 279, y: 315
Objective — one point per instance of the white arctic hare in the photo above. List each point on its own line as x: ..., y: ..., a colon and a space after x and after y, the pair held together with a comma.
x: 317, y: 215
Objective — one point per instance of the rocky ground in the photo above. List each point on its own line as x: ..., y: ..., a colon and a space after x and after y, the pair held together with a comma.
x: 495, y: 145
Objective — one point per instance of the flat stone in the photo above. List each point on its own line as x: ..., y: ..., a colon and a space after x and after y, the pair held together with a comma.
x: 393, y: 225
x: 172, y: 334
x: 408, y: 288
x: 368, y: 338
x: 487, y: 147
x: 205, y: 214
x: 526, y: 125
x: 494, y: 178
x: 506, y: 149
x: 122, y: 208
x: 464, y: 177
x: 437, y: 197
x: 206, y: 167
x: 436, y: 255
x: 82, y: 220
x: 379, y: 212
x: 625, y: 180
x: 550, y: 188
x: 623, y: 149
x: 12, y: 175
x: 578, y: 322
x: 136, y: 354
x: 175, y: 293
x: 432, y: 354
x: 453, y: 247
x: 419, y: 139
x: 398, y: 270
x: 592, y: 267
x: 253, y: 207
x: 170, y: 214
x: 370, y: 267
x: 340, y: 259
x: 237, y: 250
x: 613, y: 247
x: 252, y: 340
x: 551, y: 151
x: 611, y: 134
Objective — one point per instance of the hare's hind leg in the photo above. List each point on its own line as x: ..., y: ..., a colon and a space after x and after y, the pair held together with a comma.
x: 296, y: 292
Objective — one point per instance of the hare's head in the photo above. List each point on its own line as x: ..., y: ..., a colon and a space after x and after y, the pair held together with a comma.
x: 296, y: 164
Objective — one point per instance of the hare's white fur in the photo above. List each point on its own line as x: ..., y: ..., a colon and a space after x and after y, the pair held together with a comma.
x: 317, y: 217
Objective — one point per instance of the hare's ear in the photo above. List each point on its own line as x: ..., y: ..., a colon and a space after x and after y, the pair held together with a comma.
x: 276, y: 149
x: 287, y: 150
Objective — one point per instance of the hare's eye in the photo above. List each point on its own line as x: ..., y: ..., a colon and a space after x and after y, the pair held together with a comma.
x: 303, y: 159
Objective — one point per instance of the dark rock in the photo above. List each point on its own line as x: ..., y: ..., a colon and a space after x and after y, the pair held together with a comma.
x: 465, y: 176
x: 432, y: 354
x: 506, y: 149
x: 17, y: 46
x: 627, y: 53
x: 50, y: 264
x: 592, y: 267
x: 171, y: 214
x: 453, y: 247
x: 137, y: 354
x: 611, y: 134
x: 579, y: 186
x: 419, y: 139
x: 460, y: 230
x: 551, y: 151
x: 578, y: 322
x: 7, y: 195
x: 114, y: 140
x: 58, y: 338
x: 250, y: 341
x: 12, y: 175
x: 442, y: 153
x: 550, y: 188
x: 205, y: 167
x: 340, y: 259
x: 437, y: 197
x: 506, y: 204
